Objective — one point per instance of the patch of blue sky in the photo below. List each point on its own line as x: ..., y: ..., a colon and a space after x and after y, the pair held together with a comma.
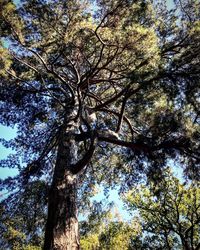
x: 6, y: 133
x: 17, y: 2
x: 118, y: 208
x: 170, y: 4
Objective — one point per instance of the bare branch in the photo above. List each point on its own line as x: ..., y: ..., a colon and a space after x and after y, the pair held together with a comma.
x: 54, y: 73
x: 133, y: 146
x: 120, y: 121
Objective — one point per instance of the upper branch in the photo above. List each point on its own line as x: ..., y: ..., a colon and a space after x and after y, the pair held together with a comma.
x: 54, y: 73
x: 120, y: 121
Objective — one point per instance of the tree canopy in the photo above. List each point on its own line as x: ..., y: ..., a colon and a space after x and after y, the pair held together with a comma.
x: 99, y: 94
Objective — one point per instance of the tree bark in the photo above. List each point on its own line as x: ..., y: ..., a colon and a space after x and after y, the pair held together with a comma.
x: 62, y: 224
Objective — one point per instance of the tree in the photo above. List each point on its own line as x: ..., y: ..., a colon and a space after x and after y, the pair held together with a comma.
x: 79, y: 84
x: 23, y: 218
x: 169, y: 213
x: 106, y: 230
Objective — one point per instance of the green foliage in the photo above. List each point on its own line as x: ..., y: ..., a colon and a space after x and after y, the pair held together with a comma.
x: 5, y: 61
x: 11, y: 23
x: 11, y: 235
x: 118, y: 235
x: 25, y: 225
x: 169, y: 213
x: 107, y: 231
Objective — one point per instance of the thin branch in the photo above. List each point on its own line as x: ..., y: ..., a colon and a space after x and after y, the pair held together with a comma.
x: 111, y: 100
x: 117, y: 96
x: 132, y: 129
x: 54, y: 73
x: 120, y: 121
x: 25, y: 63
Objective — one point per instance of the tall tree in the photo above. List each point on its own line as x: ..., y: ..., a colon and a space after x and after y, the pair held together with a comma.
x: 78, y: 83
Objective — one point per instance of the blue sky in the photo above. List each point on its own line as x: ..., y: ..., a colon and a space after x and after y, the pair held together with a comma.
x: 6, y: 133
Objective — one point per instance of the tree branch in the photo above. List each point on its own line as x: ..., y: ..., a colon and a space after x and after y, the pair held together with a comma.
x: 133, y: 146
x: 76, y: 168
x: 54, y: 73
x: 132, y: 129
x: 120, y: 121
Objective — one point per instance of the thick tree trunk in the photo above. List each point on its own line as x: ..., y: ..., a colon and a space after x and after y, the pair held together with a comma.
x: 62, y: 224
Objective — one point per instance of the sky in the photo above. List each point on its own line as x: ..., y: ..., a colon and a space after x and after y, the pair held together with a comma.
x: 6, y: 133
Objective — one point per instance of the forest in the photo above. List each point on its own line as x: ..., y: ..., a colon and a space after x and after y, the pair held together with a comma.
x: 103, y: 95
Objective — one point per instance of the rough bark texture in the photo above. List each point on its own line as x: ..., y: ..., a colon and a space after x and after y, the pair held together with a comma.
x: 62, y: 224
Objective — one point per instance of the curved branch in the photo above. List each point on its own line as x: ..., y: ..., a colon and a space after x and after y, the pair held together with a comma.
x: 76, y: 168
x: 117, y: 96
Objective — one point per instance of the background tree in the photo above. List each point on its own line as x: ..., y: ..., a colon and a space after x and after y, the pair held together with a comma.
x: 23, y: 218
x: 169, y: 214
x: 105, y: 229
x: 78, y: 83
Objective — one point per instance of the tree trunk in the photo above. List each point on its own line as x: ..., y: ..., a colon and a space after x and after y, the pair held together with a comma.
x: 185, y: 243
x: 62, y: 224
